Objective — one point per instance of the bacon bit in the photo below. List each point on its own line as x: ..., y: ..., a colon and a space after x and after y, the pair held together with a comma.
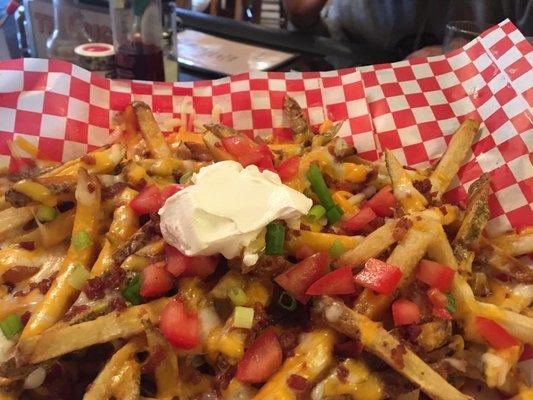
x: 75, y: 310
x: 397, y: 355
x: 88, y: 159
x: 91, y: 187
x: 28, y: 226
x: 45, y: 284
x: 27, y: 245
x: 411, y: 332
x: 342, y: 373
x: 423, y: 186
x: 401, y: 228
x: 114, y: 190
x: 288, y: 340
x: 96, y: 287
x: 261, y: 320
x: 224, y: 377
x: 19, y: 273
x: 117, y: 304
x: 156, y: 357
x: 24, y: 318
x: 443, y: 210
x: 349, y: 349
x: 297, y: 382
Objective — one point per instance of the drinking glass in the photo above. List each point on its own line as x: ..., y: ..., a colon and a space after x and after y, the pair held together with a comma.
x: 459, y: 33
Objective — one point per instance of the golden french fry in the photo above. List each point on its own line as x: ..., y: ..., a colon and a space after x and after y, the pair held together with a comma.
x: 13, y: 218
x: 405, y: 256
x: 56, y: 342
x: 515, y: 243
x: 19, y: 305
x: 500, y: 261
x: 476, y: 216
x: 167, y: 372
x: 319, y: 241
x: 371, y: 246
x: 150, y: 131
x: 169, y: 166
x: 378, y: 341
x: 453, y: 158
x: 105, y: 384
x: 52, y: 233
x: 404, y: 191
x: 311, y: 358
x: 80, y: 255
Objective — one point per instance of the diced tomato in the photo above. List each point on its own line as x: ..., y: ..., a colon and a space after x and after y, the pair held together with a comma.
x: 169, y: 190
x: 179, y: 326
x: 360, y: 220
x: 382, y: 202
x: 243, y: 149
x: 147, y: 201
x: 288, y: 168
x: 282, y: 135
x: 435, y: 275
x: 339, y: 281
x: 261, y: 359
x: 156, y: 280
x: 379, y: 276
x: 200, y: 266
x: 405, y: 312
x: 495, y: 334
x: 441, y: 313
x: 267, y: 162
x: 178, y: 264
x: 298, y: 278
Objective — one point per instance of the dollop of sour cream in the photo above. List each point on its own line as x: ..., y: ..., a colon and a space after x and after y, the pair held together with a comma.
x: 226, y: 209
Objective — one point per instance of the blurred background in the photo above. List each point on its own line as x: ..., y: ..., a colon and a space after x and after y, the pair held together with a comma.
x: 203, y: 39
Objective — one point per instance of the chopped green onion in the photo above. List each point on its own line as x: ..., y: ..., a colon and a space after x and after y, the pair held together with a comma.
x: 237, y: 296
x: 185, y: 178
x: 334, y: 214
x: 46, y: 213
x: 244, y: 317
x: 274, y: 238
x: 314, y: 176
x: 131, y: 292
x: 10, y: 326
x: 316, y: 212
x: 287, y: 302
x: 450, y: 306
x: 81, y: 240
x: 337, y: 249
x: 78, y: 276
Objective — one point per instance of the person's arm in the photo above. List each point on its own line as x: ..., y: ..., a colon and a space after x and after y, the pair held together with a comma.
x: 303, y: 13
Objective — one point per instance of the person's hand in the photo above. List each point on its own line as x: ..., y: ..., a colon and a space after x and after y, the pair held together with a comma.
x: 427, y: 51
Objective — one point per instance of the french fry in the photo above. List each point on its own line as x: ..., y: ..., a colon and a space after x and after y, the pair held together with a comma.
x: 115, y: 325
x: 501, y: 262
x: 19, y: 305
x: 476, y: 216
x: 298, y: 122
x: 378, y: 341
x: 167, y: 372
x: 106, y: 383
x: 404, y: 191
x: 311, y: 358
x: 61, y: 294
x: 520, y: 326
x: 371, y: 246
x: 515, y: 243
x: 221, y: 130
x: 139, y: 239
x: 405, y: 256
x: 319, y: 241
x: 150, y: 131
x: 51, y: 233
x: 453, y: 158
x: 13, y: 218
x: 128, y: 381
x: 214, y: 146
x: 169, y: 166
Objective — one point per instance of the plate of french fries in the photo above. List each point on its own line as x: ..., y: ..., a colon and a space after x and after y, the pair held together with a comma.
x: 382, y: 290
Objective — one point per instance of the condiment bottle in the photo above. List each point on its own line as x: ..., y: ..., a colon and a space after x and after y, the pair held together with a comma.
x: 137, y: 29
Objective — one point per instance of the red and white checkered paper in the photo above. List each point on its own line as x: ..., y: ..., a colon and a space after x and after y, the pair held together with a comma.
x: 410, y: 107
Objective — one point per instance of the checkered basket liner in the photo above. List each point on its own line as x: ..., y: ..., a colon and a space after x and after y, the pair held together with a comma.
x: 411, y: 107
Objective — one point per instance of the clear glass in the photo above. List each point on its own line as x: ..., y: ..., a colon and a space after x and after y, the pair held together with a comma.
x: 137, y: 35
x: 69, y: 31
x: 459, y: 33
x: 170, y: 42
